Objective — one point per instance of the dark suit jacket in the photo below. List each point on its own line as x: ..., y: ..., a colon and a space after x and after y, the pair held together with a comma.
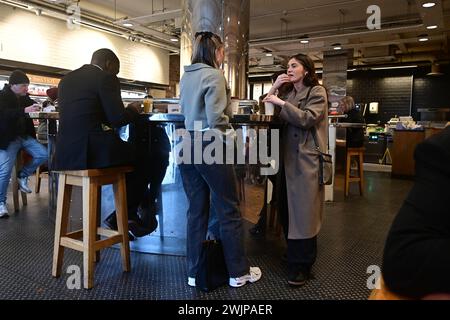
x: 89, y: 98
x: 13, y: 121
x: 416, y: 258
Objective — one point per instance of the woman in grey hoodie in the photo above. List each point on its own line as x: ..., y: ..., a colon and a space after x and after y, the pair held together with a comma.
x: 205, y: 103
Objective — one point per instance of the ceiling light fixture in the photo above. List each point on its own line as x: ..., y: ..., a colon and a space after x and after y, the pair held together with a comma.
x: 423, y: 38
x: 268, y: 54
x: 304, y: 40
x: 428, y: 4
x: 396, y: 67
x: 174, y: 39
x: 337, y: 46
x: 432, y: 27
x: 127, y: 24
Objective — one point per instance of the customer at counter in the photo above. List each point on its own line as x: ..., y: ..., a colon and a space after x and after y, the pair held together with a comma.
x: 17, y: 132
x: 355, y: 136
x: 90, y: 104
x: 204, y: 99
x: 301, y: 201
x: 416, y: 256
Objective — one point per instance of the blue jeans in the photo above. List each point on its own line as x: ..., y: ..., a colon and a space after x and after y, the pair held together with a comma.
x: 8, y: 159
x: 215, y: 182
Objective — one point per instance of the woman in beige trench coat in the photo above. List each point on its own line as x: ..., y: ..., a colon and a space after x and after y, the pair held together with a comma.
x: 301, y: 196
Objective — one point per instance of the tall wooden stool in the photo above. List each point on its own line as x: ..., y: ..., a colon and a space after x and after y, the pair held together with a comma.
x: 15, y: 185
x: 91, y: 181
x: 354, y: 152
x: 42, y: 170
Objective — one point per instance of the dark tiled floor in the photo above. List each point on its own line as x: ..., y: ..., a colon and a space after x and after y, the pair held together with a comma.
x: 352, y: 239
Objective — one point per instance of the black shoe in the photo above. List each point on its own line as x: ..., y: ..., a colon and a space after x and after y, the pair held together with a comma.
x: 111, y: 221
x: 298, y: 278
x: 136, y: 228
x: 131, y: 237
x: 147, y: 218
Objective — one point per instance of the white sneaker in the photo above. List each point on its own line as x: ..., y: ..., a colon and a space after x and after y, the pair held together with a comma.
x: 23, y: 185
x: 191, y: 282
x: 253, y: 276
x: 3, y: 210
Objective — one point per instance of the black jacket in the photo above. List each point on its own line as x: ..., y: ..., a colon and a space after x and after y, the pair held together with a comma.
x: 416, y: 258
x: 89, y: 100
x: 13, y: 121
x: 355, y: 136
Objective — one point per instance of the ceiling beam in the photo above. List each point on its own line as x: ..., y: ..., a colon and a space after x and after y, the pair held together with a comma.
x: 152, y: 18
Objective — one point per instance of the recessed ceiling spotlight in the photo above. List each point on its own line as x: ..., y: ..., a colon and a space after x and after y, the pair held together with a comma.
x: 428, y: 4
x: 304, y: 40
x: 423, y: 38
x: 432, y: 27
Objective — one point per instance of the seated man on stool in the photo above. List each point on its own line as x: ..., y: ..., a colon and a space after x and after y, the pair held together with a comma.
x: 17, y: 132
x: 89, y: 104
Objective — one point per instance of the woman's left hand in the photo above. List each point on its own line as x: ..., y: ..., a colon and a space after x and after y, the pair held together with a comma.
x: 274, y: 99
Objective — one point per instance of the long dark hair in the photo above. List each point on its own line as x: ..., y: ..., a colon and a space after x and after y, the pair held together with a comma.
x: 205, y: 45
x: 311, y: 78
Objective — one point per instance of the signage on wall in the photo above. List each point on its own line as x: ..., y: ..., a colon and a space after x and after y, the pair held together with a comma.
x: 44, y: 80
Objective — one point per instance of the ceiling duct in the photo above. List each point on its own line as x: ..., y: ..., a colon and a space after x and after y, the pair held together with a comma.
x: 382, y: 54
x: 435, y: 70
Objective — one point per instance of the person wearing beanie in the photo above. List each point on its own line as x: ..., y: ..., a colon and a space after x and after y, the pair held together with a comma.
x: 17, y: 132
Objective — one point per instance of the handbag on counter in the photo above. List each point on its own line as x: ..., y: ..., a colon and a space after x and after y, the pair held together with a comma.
x: 325, y: 163
x: 212, y: 270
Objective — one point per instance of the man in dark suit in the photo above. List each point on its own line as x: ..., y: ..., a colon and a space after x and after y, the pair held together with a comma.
x: 90, y: 106
x: 416, y: 258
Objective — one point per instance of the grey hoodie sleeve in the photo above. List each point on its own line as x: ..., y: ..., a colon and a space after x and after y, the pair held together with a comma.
x: 216, y: 100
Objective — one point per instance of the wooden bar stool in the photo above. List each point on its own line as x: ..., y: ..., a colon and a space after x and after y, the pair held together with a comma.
x: 15, y: 185
x: 40, y: 172
x: 91, y: 181
x: 354, y: 152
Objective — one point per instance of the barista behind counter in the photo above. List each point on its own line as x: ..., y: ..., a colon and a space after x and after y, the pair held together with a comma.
x: 355, y: 135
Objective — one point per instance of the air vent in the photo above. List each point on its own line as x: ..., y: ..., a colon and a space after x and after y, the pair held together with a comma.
x: 382, y: 54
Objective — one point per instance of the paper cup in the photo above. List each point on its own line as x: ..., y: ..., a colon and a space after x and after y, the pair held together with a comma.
x: 269, y: 108
x: 234, y: 106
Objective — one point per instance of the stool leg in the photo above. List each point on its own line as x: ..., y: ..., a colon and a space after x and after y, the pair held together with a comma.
x: 347, y: 173
x: 24, y: 198
x: 62, y: 220
x: 120, y: 201
x: 90, y: 199
x: 99, y: 218
x: 15, y: 188
x: 361, y: 174
x: 37, y: 184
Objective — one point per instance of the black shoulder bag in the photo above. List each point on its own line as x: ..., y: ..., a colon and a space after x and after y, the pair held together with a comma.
x: 212, y: 270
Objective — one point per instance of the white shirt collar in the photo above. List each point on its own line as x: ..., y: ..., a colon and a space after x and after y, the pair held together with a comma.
x: 97, y: 66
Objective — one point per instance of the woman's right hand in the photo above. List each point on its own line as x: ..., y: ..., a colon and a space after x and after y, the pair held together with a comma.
x: 282, y: 79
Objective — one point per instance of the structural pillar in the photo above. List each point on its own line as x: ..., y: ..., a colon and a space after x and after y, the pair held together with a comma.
x: 230, y: 20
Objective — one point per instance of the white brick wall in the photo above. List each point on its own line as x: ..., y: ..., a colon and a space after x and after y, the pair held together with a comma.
x: 47, y: 41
